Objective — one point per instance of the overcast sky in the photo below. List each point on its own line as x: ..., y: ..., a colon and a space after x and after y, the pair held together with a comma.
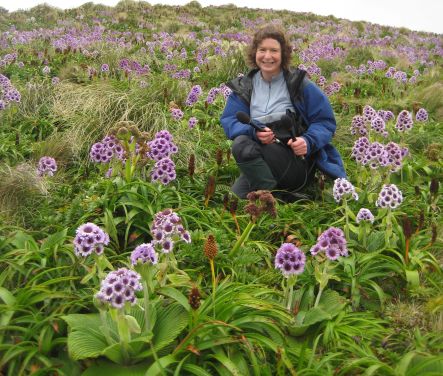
x: 422, y: 15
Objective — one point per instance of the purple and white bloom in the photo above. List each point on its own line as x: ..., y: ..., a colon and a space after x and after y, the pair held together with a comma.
x: 106, y: 149
x: 369, y: 113
x: 378, y: 124
x: 193, y: 121
x: 55, y: 80
x: 46, y: 166
x: 119, y: 287
x: 343, y: 188
x: 90, y: 238
x: 161, y: 146
x: 290, y: 260
x: 389, y: 197
x: 193, y: 95
x: 332, y: 242
x: 176, y: 114
x: 421, y: 115
x: 46, y: 70
x: 365, y: 215
x: 163, y: 171
x: 404, y: 121
x: 358, y: 126
x: 167, y: 229
x: 145, y: 254
x: 104, y: 68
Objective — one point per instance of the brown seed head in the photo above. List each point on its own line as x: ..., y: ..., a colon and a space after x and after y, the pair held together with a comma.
x: 407, y: 227
x: 219, y: 157
x: 210, y: 187
x: 194, y: 298
x: 433, y: 187
x: 226, y: 201
x: 233, y: 205
x: 191, y: 165
x: 210, y: 248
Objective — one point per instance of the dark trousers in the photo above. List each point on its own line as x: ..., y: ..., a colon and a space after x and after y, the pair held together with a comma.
x: 270, y: 167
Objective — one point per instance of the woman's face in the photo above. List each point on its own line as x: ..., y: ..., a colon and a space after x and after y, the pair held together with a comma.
x: 268, y: 57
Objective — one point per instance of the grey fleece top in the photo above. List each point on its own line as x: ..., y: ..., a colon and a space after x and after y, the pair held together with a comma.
x: 269, y: 100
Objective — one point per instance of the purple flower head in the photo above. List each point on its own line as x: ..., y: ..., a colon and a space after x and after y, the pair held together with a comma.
x: 144, y: 253
x: 55, y: 80
x: 46, y: 70
x: 193, y: 95
x: 332, y: 242
x: 421, y: 115
x: 104, y: 68
x: 404, y: 121
x: 90, y: 238
x: 389, y: 197
x: 378, y: 124
x: 119, y: 287
x: 161, y: 146
x: 163, y: 171
x: 343, y: 188
x: 46, y: 166
x: 176, y: 114
x: 358, y: 126
x: 290, y: 260
x: 369, y: 113
x: 108, y: 148
x: 167, y: 229
x: 365, y: 215
x: 193, y: 121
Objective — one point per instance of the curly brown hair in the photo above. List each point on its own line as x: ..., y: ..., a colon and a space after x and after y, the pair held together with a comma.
x: 272, y: 32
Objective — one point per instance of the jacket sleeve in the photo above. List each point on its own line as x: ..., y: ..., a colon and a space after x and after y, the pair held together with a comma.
x: 228, y: 120
x: 318, y: 114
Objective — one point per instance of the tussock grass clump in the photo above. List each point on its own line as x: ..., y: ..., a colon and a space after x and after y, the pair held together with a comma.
x: 20, y: 190
x: 431, y: 98
x: 36, y: 99
x: 59, y: 146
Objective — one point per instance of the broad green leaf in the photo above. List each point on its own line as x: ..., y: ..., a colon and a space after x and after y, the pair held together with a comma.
x: 228, y: 364
x: 176, y: 295
x: 196, y: 370
x: 133, y: 325
x: 413, y: 278
x: 112, y: 369
x: 54, y: 240
x: 171, y: 320
x: 162, y: 363
x: 84, y: 344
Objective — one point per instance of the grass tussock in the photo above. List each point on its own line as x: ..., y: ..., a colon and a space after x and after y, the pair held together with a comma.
x: 20, y: 189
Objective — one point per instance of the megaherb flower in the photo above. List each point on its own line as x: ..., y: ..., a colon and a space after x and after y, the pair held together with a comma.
x: 90, y: 238
x: 145, y: 254
x: 389, y: 197
x: 342, y: 189
x: 46, y: 166
x: 290, y: 260
x: 176, y: 114
x: 106, y: 149
x: 193, y: 121
x: 163, y: 171
x: 365, y: 215
x: 193, y: 95
x: 119, y: 287
x: 161, y: 146
x: 332, y: 242
x: 421, y: 115
x: 167, y: 229
x: 404, y: 121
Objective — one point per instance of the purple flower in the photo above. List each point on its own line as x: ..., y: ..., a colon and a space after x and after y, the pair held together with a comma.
x: 177, y: 114
x: 167, y: 229
x: 46, y: 166
x: 161, y: 146
x: 46, y: 70
x: 332, y: 242
x: 90, y: 238
x: 119, y: 287
x: 108, y: 148
x: 389, y: 197
x: 192, y: 122
x: 163, y: 171
x: 369, y: 113
x: 343, y: 188
x: 290, y: 260
x: 104, y: 68
x: 404, y: 121
x: 193, y: 95
x: 365, y: 215
x: 421, y: 115
x: 144, y: 253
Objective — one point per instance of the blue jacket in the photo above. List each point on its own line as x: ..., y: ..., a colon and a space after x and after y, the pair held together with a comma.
x: 310, y: 102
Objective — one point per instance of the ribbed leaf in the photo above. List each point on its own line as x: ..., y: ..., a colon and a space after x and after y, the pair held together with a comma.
x: 171, y: 320
x: 226, y: 362
x: 162, y: 363
x: 84, y: 344
x: 176, y: 295
x: 105, y: 368
x: 196, y: 370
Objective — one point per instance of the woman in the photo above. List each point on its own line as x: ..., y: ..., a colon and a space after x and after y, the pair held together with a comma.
x: 273, y: 95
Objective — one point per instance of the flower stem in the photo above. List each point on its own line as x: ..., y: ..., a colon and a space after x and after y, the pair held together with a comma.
x: 146, y: 306
x: 317, y: 299
x: 214, y: 282
x: 244, y: 236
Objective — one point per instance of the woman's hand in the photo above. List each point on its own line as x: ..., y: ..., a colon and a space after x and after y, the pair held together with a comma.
x: 266, y: 136
x: 298, y: 146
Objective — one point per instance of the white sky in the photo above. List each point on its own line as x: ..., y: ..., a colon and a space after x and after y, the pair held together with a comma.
x: 422, y: 15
